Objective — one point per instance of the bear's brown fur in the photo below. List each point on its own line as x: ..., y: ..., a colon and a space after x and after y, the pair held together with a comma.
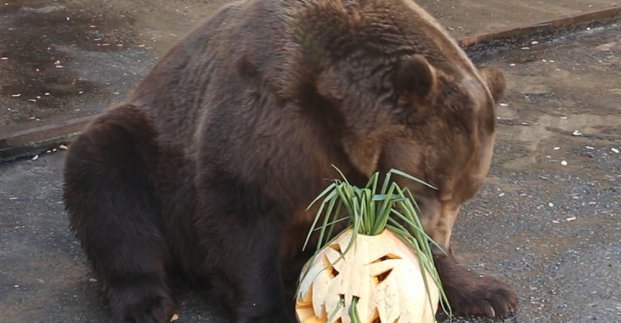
x: 209, y: 166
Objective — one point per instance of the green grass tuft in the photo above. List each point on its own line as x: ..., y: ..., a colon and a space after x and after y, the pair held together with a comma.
x: 369, y: 211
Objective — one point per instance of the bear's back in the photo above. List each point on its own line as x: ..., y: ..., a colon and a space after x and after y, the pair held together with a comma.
x: 251, y: 47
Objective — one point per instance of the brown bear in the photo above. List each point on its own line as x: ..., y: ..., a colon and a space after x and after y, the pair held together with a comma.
x: 206, y: 171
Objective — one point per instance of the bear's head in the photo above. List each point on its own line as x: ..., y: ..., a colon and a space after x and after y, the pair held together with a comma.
x: 449, y: 145
x: 409, y: 99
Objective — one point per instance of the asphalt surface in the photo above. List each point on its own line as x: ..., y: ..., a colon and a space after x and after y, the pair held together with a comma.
x: 547, y: 220
x: 62, y: 59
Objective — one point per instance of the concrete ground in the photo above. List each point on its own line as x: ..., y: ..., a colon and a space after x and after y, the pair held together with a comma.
x: 61, y: 59
x: 547, y: 220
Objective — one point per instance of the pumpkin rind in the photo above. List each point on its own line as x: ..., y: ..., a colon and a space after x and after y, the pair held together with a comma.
x: 382, y: 271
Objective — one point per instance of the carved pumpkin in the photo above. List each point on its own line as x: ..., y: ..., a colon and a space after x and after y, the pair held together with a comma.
x: 380, y: 275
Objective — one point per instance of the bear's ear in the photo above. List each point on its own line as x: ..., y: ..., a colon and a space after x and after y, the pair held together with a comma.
x: 495, y: 82
x: 415, y: 77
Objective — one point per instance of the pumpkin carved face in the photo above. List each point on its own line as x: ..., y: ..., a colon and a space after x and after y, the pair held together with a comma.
x: 380, y: 275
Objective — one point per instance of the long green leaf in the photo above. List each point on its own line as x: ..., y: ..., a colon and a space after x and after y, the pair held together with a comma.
x: 410, y: 177
x: 322, y: 194
x: 326, y: 219
x: 329, y: 197
x: 353, y: 310
x: 341, y: 173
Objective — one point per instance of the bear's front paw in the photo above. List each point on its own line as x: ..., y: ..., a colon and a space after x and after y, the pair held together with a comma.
x: 144, y: 305
x: 483, y: 296
x: 470, y: 294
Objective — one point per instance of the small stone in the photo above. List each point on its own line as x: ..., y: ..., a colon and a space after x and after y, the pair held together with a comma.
x: 35, y: 157
x: 175, y: 317
x: 534, y: 42
x: 576, y: 133
x: 564, y: 163
x: 589, y: 147
x: 606, y: 47
x: 573, y: 218
x: 501, y: 194
x: 615, y: 150
x: 557, y: 148
x: 551, y: 204
x: 62, y: 147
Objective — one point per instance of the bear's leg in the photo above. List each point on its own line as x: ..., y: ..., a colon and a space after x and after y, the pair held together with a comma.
x: 467, y: 292
x: 256, y: 277
x: 108, y: 197
x: 470, y: 294
x: 242, y: 239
